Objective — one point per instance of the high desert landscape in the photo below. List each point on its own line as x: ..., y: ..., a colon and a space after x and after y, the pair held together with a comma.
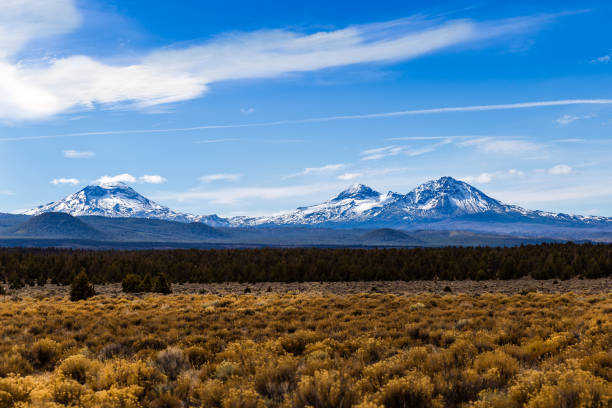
x: 305, y: 204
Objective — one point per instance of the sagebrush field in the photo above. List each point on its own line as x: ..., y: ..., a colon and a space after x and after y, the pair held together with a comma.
x: 307, y: 349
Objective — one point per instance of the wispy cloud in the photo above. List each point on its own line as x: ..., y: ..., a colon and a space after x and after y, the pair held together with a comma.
x: 571, y: 140
x: 208, y: 141
x: 6, y: 192
x: 482, y: 178
x: 45, y: 88
x: 61, y: 181
x: 220, y: 177
x: 567, y: 119
x: 323, y: 170
x: 502, y: 146
x: 236, y: 195
x: 544, y: 193
x: 381, y: 152
x: 560, y: 170
x: 474, y: 108
x: 604, y: 59
x: 485, y: 178
x: 247, y: 111
x: 393, y: 150
x: 152, y: 179
x: 75, y: 154
x: 349, y: 176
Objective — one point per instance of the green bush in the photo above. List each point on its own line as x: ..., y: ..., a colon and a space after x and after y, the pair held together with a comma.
x: 131, y: 283
x: 81, y: 289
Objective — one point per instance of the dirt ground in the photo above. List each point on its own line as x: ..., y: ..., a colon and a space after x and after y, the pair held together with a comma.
x: 394, y: 287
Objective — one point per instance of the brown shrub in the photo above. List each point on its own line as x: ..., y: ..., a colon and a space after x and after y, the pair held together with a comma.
x: 277, y: 378
x: 172, y: 362
x: 44, y: 354
x: 414, y: 390
x: 326, y: 389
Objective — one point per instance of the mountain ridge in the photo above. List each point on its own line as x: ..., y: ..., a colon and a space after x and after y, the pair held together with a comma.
x: 444, y: 200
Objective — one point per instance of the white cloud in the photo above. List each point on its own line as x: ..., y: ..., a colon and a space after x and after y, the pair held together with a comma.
x: 483, y: 178
x: 349, y: 176
x: 515, y: 172
x: 567, y: 119
x: 152, y: 179
x: 22, y: 21
x: 247, y: 111
x: 75, y: 154
x: 33, y: 90
x: 220, y: 177
x: 120, y: 178
x: 502, y: 146
x: 327, y: 169
x: 560, y: 170
x: 6, y: 192
x: 60, y: 181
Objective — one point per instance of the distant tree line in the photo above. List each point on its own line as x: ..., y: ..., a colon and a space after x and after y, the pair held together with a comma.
x: 20, y: 267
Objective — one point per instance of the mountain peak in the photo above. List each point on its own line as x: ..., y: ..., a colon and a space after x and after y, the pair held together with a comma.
x: 357, y: 192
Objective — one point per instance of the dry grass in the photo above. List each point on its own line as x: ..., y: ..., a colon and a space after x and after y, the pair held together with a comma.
x: 308, y: 349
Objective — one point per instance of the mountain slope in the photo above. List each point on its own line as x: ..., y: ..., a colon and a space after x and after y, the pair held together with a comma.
x: 443, y: 200
x: 56, y: 225
x: 445, y: 203
x: 117, y: 200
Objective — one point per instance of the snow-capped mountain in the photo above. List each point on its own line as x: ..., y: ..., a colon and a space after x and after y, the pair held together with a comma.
x: 434, y: 201
x: 446, y: 202
x: 117, y: 200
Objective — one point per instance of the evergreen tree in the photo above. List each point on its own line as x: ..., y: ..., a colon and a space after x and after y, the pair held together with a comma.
x: 161, y: 285
x: 80, y: 288
x: 147, y: 283
x: 131, y: 283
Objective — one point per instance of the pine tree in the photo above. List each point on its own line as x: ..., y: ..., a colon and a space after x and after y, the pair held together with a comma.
x: 80, y: 288
x: 161, y: 285
x: 131, y: 283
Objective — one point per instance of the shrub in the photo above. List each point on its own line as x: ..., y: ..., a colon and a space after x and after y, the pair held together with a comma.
x: 496, y: 367
x: 226, y: 370
x: 574, y: 388
x: 131, y: 283
x: 76, y: 368
x: 242, y: 399
x: 80, y: 288
x: 325, y: 389
x: 414, y: 390
x: 67, y: 392
x: 44, y: 354
x: 161, y: 285
x: 13, y: 363
x: 277, y: 378
x: 166, y: 400
x: 197, y: 356
x: 172, y: 362
x: 296, y: 342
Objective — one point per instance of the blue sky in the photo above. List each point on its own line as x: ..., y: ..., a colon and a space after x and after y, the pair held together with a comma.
x: 246, y: 107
